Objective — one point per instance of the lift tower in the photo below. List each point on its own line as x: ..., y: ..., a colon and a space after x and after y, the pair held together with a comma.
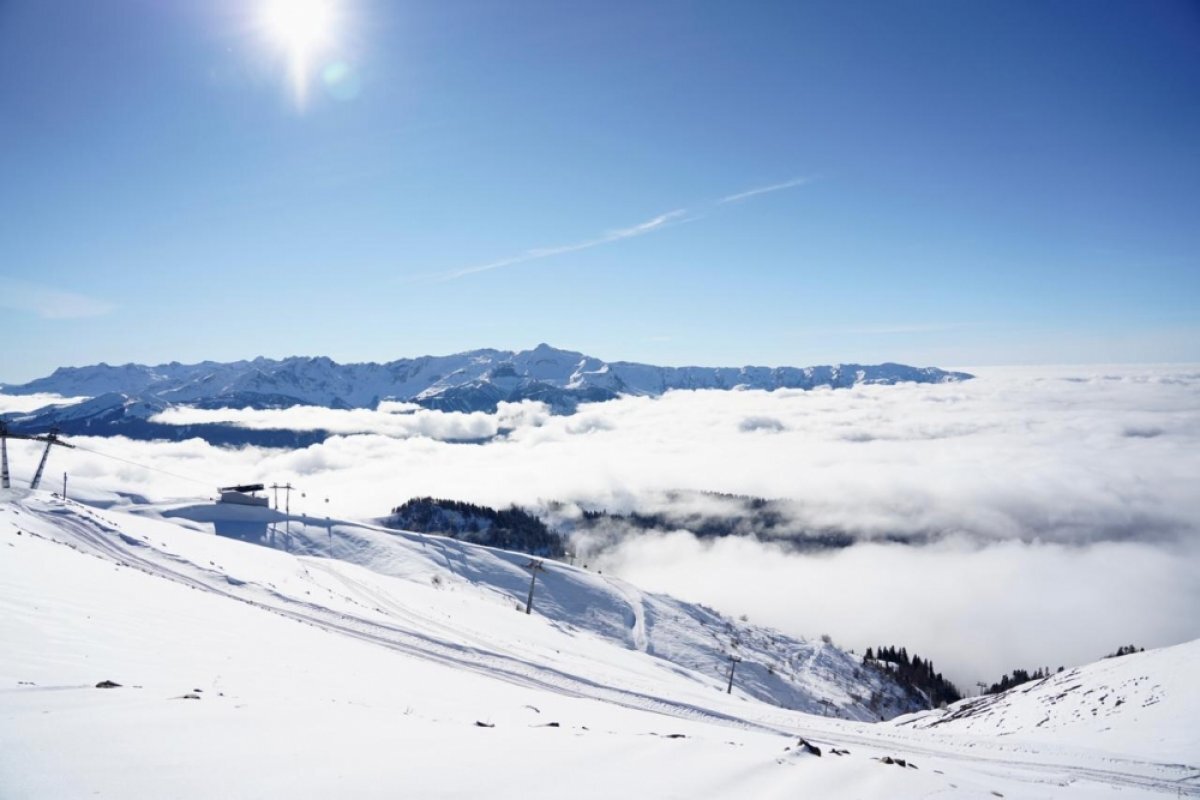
x: 3, y: 455
x: 5, y: 435
x: 51, y: 439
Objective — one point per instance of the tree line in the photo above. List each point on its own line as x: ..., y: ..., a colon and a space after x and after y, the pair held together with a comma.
x: 916, y: 672
x: 510, y: 528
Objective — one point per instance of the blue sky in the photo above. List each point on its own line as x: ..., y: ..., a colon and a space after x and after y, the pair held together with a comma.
x: 953, y: 183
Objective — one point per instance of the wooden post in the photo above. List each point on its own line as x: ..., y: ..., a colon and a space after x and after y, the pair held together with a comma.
x: 733, y: 661
x: 4, y: 456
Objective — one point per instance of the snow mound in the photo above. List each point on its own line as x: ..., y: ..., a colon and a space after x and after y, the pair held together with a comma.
x: 1142, y: 703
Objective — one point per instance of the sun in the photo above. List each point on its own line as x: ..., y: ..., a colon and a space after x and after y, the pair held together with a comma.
x: 301, y: 29
x: 299, y: 25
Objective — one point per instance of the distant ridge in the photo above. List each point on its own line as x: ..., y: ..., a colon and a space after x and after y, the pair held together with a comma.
x: 123, y: 398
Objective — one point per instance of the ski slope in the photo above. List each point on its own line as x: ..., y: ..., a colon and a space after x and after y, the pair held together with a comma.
x: 446, y: 589
x: 250, y: 671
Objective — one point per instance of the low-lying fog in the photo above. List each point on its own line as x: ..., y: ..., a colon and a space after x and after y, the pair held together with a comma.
x: 1061, y: 505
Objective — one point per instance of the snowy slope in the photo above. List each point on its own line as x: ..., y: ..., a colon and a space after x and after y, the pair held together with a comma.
x: 1129, y: 703
x: 249, y: 671
x: 696, y: 641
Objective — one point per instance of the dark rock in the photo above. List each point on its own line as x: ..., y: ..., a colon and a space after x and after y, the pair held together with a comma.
x: 479, y: 724
x: 809, y: 747
x: 107, y: 685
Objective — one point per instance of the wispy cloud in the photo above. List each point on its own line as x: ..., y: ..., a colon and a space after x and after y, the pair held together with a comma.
x: 533, y: 254
x: 774, y: 187
x: 649, y: 226
x: 50, y: 303
x: 891, y: 329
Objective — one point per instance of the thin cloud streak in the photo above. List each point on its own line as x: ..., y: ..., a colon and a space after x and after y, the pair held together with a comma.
x: 649, y: 226
x: 49, y: 303
x: 533, y: 254
x: 899, y: 328
x: 775, y: 187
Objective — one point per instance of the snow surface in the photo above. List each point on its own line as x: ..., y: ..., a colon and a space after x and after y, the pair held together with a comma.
x: 250, y: 671
x: 1128, y: 703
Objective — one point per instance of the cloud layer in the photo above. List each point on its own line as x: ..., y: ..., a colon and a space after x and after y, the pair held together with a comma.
x: 397, y: 420
x: 32, y: 402
x: 1060, y: 503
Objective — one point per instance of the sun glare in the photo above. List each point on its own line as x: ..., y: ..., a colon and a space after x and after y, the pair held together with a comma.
x: 302, y: 29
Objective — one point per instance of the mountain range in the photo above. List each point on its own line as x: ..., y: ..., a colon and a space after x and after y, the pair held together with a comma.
x: 123, y: 399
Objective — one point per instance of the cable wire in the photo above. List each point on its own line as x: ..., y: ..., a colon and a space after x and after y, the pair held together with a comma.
x: 209, y: 483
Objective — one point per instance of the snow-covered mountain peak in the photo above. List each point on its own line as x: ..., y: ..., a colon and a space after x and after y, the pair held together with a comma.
x: 477, y: 380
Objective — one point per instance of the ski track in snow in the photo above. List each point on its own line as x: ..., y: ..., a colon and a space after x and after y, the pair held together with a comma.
x: 637, y: 607
x: 420, y: 636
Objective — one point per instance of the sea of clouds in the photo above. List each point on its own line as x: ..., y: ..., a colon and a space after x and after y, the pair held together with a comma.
x: 1060, y: 507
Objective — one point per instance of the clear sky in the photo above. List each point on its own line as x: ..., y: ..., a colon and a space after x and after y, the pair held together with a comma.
x: 935, y: 181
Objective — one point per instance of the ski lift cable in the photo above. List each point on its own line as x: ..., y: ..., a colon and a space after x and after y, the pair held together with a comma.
x: 209, y: 482
x: 145, y: 466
